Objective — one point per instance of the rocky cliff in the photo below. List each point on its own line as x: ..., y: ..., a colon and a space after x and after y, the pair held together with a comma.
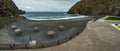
x: 96, y: 7
x: 8, y: 10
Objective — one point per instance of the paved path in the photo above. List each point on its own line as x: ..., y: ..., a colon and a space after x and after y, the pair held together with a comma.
x: 98, y: 36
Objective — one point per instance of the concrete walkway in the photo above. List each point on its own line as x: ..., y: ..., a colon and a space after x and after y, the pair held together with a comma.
x: 98, y: 36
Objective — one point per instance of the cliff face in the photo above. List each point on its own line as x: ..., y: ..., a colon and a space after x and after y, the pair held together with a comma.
x: 7, y: 8
x: 7, y: 11
x: 96, y: 7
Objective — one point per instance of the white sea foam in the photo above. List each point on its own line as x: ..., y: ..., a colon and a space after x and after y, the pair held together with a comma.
x: 51, y: 16
x: 75, y: 17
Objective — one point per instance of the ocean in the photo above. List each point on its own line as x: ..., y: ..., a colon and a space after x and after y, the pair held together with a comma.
x: 51, y: 16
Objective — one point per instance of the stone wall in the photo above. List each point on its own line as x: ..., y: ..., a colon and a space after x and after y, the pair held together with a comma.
x: 4, y: 22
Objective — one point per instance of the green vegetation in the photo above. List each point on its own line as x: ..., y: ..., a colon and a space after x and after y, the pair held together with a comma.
x: 113, y: 18
x: 118, y: 26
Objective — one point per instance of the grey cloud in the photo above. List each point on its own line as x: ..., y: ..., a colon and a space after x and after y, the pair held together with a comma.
x: 45, y: 5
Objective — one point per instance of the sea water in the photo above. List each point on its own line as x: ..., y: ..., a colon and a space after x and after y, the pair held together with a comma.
x: 51, y: 16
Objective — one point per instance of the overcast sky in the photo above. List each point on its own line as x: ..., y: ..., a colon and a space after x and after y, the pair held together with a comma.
x: 45, y: 5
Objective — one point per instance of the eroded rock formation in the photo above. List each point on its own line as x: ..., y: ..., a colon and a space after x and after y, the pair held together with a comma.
x: 96, y: 7
x: 7, y: 11
x: 7, y: 8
